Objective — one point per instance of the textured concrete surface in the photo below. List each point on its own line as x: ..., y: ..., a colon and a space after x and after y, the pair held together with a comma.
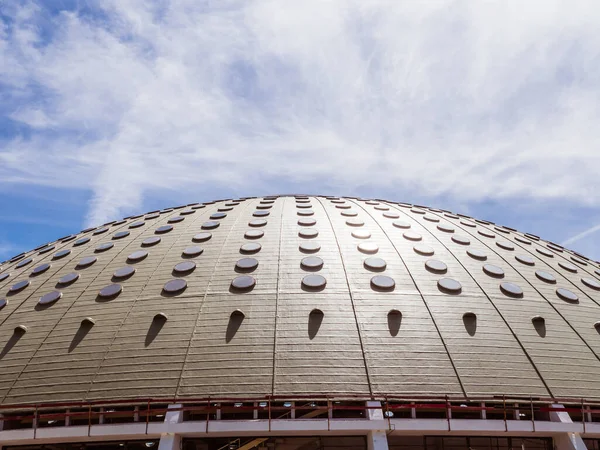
x: 348, y: 338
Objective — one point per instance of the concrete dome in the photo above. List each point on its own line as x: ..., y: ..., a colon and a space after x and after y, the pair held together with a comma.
x: 298, y: 295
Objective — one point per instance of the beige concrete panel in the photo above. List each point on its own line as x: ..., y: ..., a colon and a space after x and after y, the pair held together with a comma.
x: 485, y: 353
x: 404, y: 356
x: 315, y: 356
x: 558, y: 354
x: 229, y: 357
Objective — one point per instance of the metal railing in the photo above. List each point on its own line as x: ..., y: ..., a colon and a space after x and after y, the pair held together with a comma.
x: 273, y: 408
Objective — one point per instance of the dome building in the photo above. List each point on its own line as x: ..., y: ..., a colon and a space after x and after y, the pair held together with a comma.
x: 298, y: 323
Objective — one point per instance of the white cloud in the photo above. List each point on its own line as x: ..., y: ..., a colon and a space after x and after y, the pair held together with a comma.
x: 582, y: 235
x: 477, y: 100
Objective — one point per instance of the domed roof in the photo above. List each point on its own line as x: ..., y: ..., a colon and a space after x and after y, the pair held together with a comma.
x: 298, y: 295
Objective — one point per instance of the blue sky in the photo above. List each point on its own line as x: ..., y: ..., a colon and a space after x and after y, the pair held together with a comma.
x: 485, y: 108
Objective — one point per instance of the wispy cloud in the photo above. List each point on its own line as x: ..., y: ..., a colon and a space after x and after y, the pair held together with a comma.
x: 582, y: 235
x: 478, y: 100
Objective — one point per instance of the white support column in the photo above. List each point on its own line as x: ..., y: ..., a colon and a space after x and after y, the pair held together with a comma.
x: 67, y: 419
x: 566, y: 441
x: 376, y: 439
x: 483, y: 411
x: 174, y: 416
x: 171, y: 441
x: 372, y: 412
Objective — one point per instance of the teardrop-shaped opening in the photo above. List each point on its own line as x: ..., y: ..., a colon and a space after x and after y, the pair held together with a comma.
x: 161, y: 316
x: 315, y: 319
x: 84, y: 328
x: 539, y: 323
x: 470, y: 322
x: 394, y: 319
x: 597, y: 326
x: 235, y: 322
x: 158, y: 322
x: 20, y: 329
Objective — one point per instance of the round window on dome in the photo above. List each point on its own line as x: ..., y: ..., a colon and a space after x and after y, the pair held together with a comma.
x: 375, y: 264
x: 202, y: 237
x: 124, y: 272
x: 309, y: 247
x: 246, y: 265
x: 49, y: 298
x: 184, y: 268
x: 412, y: 236
x: 257, y: 223
x: 308, y: 233
x: 254, y: 234
x: 250, y: 248
x: 423, y: 249
x: 192, y: 252
x: 149, y: 242
x: 314, y: 282
x: 382, y: 283
x: 511, y: 290
x: 137, y: 256
x: 435, y: 266
x: 243, y: 283
x: 68, y: 279
x: 174, y: 287
x: 449, y: 286
x: 110, y: 292
x: 311, y: 263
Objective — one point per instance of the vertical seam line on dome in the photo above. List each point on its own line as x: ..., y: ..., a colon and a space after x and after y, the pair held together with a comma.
x: 484, y: 293
x: 85, y: 248
x: 492, y: 249
x: 277, y: 297
x: 135, y: 300
x: 358, y: 329
x: 421, y: 295
x: 246, y: 202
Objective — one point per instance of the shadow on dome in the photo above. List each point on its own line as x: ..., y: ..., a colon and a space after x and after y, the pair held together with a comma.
x: 315, y: 319
x: 158, y: 322
x: 470, y: 323
x: 394, y: 320
x: 16, y: 336
x: 83, y: 330
x: 235, y: 322
x: 540, y: 325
